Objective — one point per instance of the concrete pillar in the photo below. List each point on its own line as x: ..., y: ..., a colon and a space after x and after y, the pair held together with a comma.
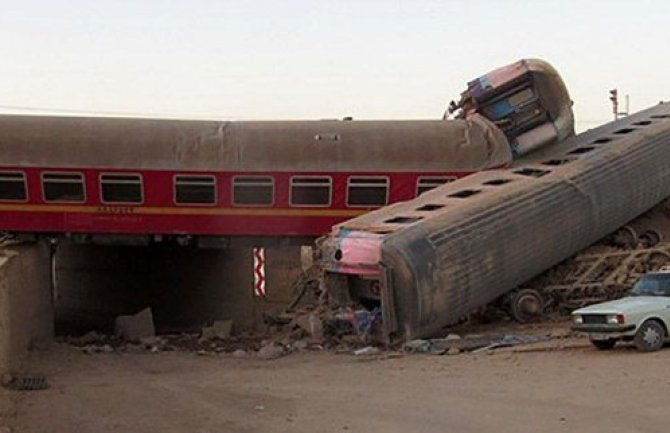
x: 282, y: 269
x: 26, y: 309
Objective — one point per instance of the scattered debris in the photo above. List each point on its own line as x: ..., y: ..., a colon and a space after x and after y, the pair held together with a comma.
x: 92, y: 348
x: 417, y: 346
x: 154, y: 342
x: 90, y: 337
x: 312, y: 324
x: 563, y: 332
x: 135, y: 327
x: 367, y: 351
x: 270, y: 351
x: 221, y: 329
x: 301, y: 345
x: 453, y: 345
x: 514, y: 340
x: 363, y: 322
x: 240, y: 353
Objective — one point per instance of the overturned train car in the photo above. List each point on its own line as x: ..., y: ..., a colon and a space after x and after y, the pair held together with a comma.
x: 432, y: 260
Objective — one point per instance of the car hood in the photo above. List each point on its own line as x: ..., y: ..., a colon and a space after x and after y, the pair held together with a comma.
x: 630, y: 304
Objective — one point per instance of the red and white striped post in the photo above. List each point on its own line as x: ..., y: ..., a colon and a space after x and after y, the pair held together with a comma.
x: 259, y: 271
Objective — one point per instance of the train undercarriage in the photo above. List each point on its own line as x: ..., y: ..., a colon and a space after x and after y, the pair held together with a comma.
x: 601, y: 272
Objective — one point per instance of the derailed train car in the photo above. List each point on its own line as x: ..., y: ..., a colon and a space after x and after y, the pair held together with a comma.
x: 146, y: 177
x: 527, y: 100
x: 432, y: 260
x: 215, y: 182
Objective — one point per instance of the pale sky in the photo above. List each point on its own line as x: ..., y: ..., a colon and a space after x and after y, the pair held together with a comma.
x: 319, y: 59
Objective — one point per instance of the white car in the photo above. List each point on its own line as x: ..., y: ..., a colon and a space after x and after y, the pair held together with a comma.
x: 642, y: 317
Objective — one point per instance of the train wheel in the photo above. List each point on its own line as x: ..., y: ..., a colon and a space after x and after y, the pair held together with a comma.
x: 650, y: 238
x: 657, y: 259
x: 526, y: 305
x: 626, y: 237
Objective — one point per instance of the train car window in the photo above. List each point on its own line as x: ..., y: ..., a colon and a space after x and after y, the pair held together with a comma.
x: 67, y: 187
x: 13, y: 186
x: 121, y: 188
x: 253, y: 190
x: 426, y: 183
x: 367, y: 191
x: 311, y: 191
x: 190, y: 189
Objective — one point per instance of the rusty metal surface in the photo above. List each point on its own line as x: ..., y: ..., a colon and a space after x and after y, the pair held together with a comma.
x: 473, y: 249
x: 328, y: 145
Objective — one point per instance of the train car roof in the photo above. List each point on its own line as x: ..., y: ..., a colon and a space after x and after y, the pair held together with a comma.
x: 327, y: 145
x: 450, y: 203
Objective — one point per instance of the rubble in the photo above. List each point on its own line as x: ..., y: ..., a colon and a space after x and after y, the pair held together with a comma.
x: 90, y: 337
x: 514, y: 340
x: 301, y: 345
x: 312, y: 324
x: 221, y: 329
x: 475, y: 344
x: 348, y: 329
x: 240, y: 353
x: 561, y: 333
x: 135, y: 327
x: 92, y: 348
x: 153, y: 342
x: 367, y: 351
x: 270, y: 351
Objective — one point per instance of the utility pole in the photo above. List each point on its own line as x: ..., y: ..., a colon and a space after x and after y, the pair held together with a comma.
x: 614, y: 97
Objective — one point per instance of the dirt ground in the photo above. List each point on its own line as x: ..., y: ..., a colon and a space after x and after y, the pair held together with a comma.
x: 556, y: 386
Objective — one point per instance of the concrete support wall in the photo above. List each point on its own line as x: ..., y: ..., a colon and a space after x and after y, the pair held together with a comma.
x: 26, y: 312
x: 185, y: 287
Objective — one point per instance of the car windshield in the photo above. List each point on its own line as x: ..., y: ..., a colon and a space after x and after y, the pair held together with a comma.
x: 652, y: 285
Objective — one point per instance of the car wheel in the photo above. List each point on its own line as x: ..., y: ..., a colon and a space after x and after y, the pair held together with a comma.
x: 604, y: 344
x: 649, y: 337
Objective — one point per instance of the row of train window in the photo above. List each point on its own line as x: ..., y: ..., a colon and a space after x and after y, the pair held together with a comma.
x: 201, y: 190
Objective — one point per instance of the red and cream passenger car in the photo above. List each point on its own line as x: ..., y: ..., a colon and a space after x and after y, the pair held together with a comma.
x: 150, y: 177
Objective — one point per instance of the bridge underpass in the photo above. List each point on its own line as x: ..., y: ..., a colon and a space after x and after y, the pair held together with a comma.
x: 186, y: 288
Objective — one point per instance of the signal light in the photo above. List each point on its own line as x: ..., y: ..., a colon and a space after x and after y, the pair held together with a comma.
x: 614, y: 95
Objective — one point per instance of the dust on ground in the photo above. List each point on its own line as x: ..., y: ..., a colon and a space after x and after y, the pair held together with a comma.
x: 554, y: 386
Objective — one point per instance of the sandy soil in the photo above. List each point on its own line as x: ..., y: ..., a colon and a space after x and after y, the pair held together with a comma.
x: 560, y: 386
